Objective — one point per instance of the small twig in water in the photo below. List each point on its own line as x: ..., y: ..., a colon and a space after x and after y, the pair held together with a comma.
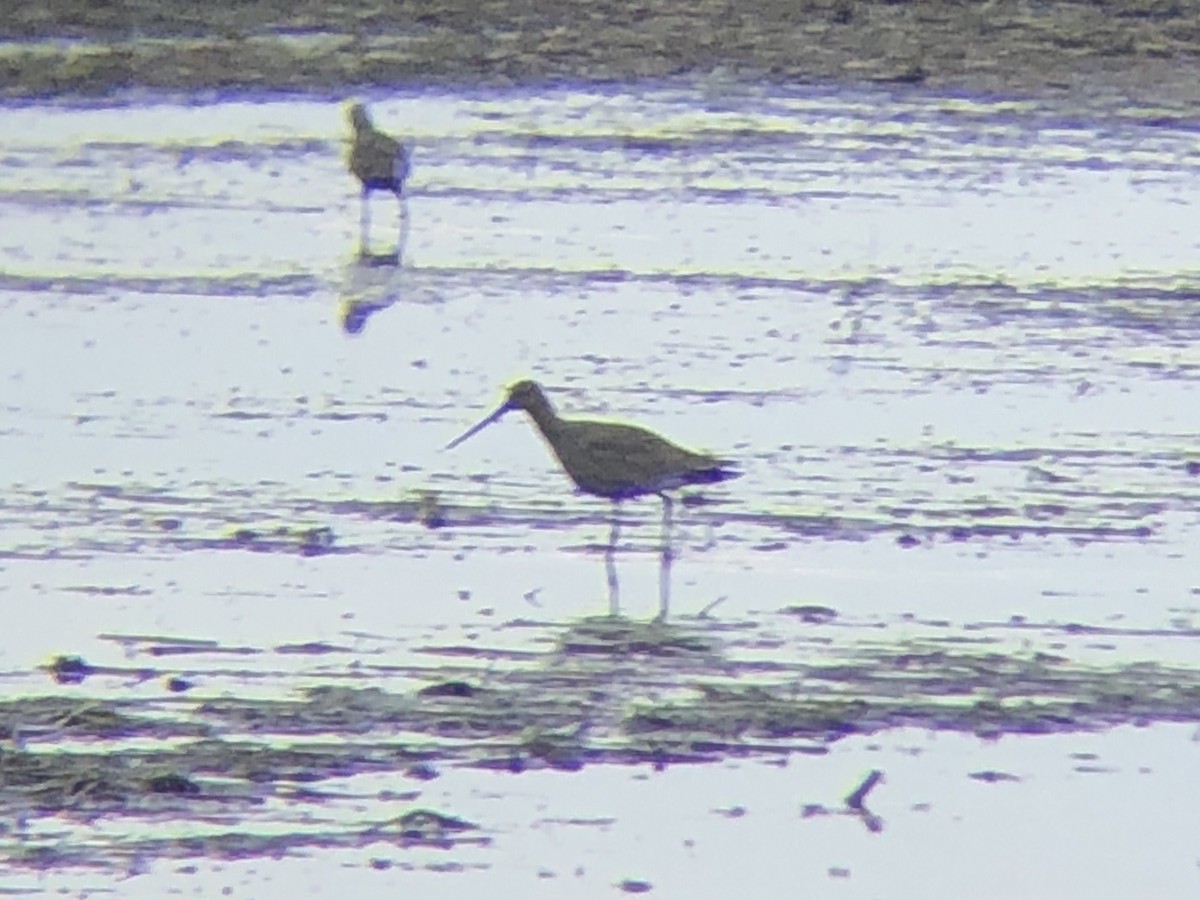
x: 706, y: 613
x: 857, y: 799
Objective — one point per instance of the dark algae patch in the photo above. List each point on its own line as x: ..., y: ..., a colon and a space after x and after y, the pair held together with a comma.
x: 312, y: 44
x: 612, y: 691
x: 63, y: 717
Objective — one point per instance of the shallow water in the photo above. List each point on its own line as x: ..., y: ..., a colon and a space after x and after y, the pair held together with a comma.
x: 952, y: 343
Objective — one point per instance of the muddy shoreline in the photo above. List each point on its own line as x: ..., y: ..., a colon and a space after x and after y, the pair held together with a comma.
x: 1143, y: 50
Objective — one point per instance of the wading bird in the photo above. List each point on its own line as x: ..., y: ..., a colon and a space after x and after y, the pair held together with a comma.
x: 616, y: 461
x: 381, y: 163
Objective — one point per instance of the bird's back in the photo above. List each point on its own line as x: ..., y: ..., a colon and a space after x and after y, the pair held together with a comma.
x: 615, y: 460
x: 378, y: 160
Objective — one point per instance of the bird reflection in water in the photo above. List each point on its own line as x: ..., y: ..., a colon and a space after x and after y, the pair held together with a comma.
x: 364, y: 292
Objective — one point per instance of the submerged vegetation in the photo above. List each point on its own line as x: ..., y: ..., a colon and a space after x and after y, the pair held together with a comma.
x: 612, y: 691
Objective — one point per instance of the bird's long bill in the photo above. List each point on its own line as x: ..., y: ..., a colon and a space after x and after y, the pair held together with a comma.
x: 475, y: 429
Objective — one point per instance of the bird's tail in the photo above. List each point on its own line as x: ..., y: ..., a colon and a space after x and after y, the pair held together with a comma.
x: 401, y: 167
x: 722, y: 470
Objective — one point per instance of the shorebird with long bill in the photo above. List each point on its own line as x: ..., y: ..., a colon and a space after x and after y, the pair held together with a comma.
x: 615, y: 461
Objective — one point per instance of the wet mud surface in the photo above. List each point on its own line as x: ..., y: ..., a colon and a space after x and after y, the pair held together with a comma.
x: 260, y: 626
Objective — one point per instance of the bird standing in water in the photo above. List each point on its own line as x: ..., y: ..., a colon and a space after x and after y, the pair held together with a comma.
x: 381, y: 163
x: 616, y: 461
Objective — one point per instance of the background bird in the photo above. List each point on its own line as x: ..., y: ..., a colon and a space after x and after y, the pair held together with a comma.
x: 616, y: 461
x: 380, y: 163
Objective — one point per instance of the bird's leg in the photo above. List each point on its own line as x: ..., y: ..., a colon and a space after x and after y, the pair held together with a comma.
x: 364, y: 222
x: 610, y: 564
x: 664, y: 575
x: 403, y: 239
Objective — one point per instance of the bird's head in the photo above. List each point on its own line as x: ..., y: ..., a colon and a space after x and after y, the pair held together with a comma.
x: 526, y: 395
x: 359, y: 118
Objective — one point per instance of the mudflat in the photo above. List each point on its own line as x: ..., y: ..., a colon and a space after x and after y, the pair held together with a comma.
x: 1139, y: 49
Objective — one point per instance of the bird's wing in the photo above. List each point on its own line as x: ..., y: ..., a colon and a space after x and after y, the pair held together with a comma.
x: 610, y: 457
x: 375, y: 156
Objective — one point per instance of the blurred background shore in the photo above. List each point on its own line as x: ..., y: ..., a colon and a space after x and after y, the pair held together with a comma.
x: 1140, y: 49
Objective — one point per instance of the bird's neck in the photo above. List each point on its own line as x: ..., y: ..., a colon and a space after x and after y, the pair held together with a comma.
x: 544, y: 417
